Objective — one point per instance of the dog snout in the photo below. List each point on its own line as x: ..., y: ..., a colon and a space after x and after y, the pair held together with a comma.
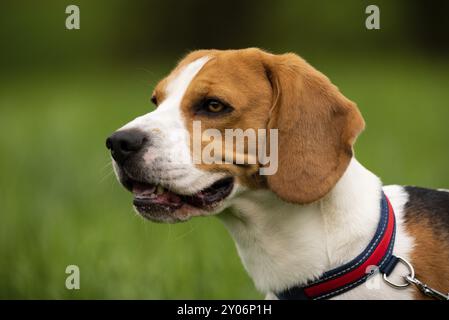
x: 125, y: 143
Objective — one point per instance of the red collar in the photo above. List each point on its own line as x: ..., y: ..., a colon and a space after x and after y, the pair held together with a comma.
x: 378, y: 254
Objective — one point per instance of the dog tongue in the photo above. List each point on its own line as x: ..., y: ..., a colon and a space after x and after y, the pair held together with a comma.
x: 143, y: 189
x: 172, y: 197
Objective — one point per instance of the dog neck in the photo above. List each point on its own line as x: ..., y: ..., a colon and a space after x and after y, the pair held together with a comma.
x: 283, y: 244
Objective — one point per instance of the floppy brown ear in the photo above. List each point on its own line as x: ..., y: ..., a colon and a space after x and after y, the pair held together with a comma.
x: 317, y: 129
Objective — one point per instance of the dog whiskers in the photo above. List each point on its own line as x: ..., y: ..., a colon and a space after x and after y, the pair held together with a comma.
x: 106, y: 176
x: 183, y: 235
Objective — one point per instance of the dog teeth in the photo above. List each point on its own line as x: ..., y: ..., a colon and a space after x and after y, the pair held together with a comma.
x: 159, y: 189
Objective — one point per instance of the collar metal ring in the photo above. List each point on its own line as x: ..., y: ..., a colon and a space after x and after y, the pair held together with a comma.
x: 406, y: 283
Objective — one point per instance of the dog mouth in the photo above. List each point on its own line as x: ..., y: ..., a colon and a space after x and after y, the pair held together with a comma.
x: 160, y: 204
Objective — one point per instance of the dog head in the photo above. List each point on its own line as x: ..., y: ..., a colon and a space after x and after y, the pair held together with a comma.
x: 159, y: 158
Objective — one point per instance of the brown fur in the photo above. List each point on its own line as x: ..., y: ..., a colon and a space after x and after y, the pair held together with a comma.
x: 317, y: 124
x: 317, y: 128
x: 430, y: 255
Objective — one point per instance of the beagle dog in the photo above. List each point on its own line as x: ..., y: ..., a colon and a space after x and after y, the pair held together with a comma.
x: 317, y: 212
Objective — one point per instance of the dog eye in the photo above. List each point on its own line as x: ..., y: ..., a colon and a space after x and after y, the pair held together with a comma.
x: 154, y: 100
x: 213, y: 107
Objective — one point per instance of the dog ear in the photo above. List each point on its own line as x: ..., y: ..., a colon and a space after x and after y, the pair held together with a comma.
x: 317, y: 127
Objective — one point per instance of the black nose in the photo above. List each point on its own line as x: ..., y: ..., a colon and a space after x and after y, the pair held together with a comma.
x: 125, y: 143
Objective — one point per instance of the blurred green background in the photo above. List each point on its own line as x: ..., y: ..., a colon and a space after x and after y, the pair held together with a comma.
x: 63, y: 91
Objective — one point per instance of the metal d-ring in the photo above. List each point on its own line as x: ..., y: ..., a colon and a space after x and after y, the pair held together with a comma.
x: 411, y: 275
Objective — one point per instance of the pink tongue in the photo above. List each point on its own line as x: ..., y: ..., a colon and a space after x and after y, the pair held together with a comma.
x: 142, y: 189
x: 174, y: 198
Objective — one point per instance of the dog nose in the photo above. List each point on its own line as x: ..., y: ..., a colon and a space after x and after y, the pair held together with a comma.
x: 125, y: 143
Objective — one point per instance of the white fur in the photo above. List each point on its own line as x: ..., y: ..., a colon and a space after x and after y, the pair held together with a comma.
x: 168, y: 160
x: 284, y: 244
x: 280, y: 244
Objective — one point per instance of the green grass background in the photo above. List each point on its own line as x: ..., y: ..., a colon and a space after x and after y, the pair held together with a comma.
x: 60, y: 203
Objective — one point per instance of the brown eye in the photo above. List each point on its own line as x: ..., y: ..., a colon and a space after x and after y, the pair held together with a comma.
x: 214, y: 106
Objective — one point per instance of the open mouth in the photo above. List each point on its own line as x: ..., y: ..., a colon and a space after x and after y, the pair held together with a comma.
x: 155, y: 202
